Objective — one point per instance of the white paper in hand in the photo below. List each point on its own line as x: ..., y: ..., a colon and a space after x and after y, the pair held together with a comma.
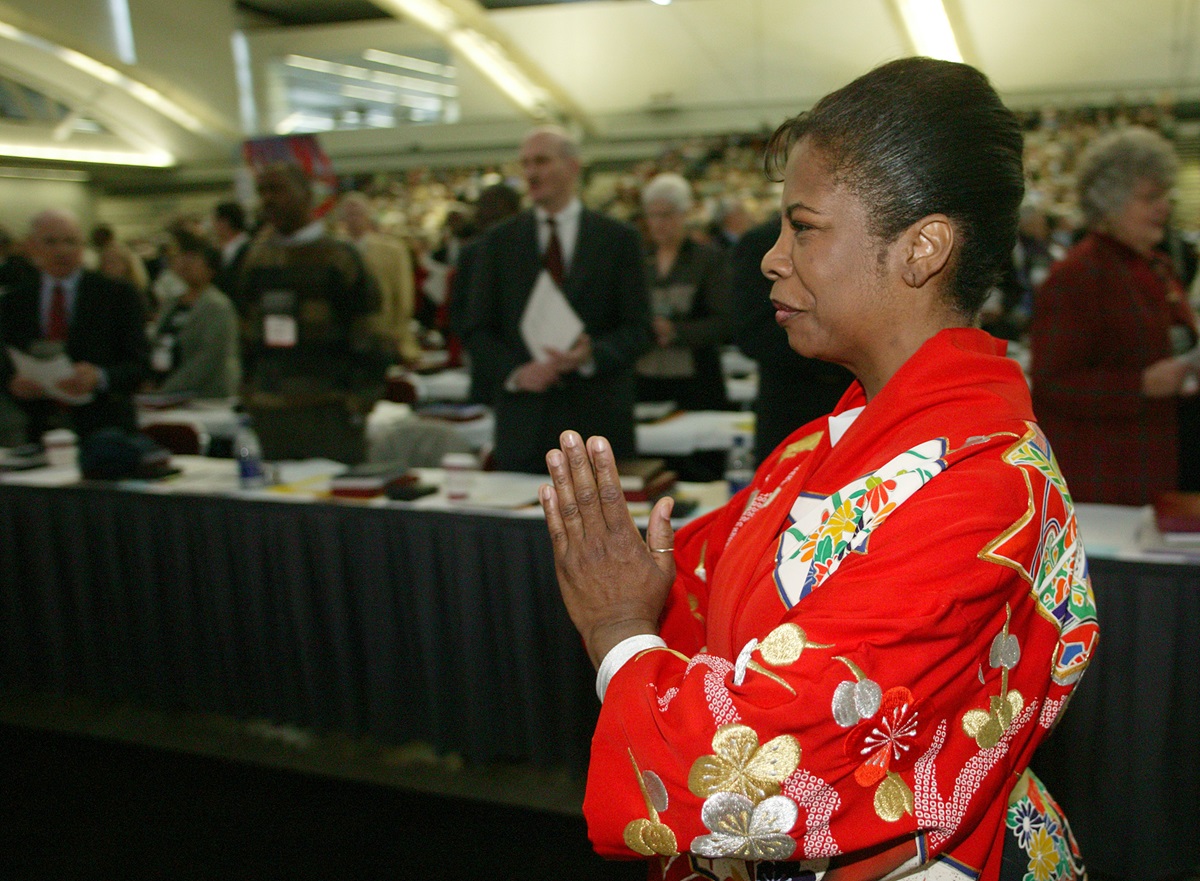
x: 48, y: 373
x: 549, y: 322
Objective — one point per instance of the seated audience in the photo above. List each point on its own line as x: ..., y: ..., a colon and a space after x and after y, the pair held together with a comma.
x: 194, y: 345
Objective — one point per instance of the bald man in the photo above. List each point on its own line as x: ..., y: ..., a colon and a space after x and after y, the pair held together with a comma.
x: 590, y: 385
x: 96, y: 321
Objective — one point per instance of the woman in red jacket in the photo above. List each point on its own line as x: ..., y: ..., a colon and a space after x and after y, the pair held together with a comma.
x: 1108, y: 324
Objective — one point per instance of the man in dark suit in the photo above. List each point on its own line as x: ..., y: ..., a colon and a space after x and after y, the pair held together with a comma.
x: 792, y: 389
x: 590, y: 386
x: 97, y: 322
x: 495, y: 204
x: 229, y: 229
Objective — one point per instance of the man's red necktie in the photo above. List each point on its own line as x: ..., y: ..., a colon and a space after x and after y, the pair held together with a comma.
x: 552, y: 259
x: 56, y: 327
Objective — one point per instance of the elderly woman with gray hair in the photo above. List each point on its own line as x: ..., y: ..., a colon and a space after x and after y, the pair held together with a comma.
x: 689, y: 298
x: 1109, y: 325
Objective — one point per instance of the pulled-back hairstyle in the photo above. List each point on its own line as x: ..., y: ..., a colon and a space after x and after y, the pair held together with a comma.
x: 916, y: 137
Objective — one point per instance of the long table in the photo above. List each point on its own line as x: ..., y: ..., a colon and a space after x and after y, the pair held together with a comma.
x: 1125, y: 761
x: 410, y: 622
x: 399, y: 623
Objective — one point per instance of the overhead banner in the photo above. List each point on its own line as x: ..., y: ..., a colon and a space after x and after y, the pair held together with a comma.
x: 302, y: 150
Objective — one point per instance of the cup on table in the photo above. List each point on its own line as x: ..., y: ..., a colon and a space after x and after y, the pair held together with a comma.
x: 460, y: 471
x: 61, y: 446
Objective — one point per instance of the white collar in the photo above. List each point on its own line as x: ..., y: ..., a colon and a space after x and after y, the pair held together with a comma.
x: 570, y: 214
x: 840, y: 424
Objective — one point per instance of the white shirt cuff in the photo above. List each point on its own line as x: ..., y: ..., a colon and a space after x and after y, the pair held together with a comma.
x: 619, y: 654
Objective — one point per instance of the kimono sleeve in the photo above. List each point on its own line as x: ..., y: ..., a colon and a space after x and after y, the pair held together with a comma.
x: 897, y: 700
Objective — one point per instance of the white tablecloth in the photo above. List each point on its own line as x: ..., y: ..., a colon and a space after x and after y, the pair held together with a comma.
x: 692, y: 431
x: 216, y: 417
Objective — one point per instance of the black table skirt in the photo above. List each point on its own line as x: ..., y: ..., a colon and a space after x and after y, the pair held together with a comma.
x: 398, y: 624
x: 448, y: 628
x: 1125, y: 761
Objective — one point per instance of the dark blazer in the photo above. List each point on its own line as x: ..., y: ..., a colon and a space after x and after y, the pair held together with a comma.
x: 483, y: 389
x: 108, y: 329
x: 606, y: 286
x: 228, y: 281
x: 792, y: 389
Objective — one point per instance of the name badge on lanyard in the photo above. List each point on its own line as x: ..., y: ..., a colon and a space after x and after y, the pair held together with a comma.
x: 162, y: 359
x: 280, y: 327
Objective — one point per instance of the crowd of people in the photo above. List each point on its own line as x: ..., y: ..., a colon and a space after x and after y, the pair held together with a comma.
x: 300, y: 317
x: 768, y: 656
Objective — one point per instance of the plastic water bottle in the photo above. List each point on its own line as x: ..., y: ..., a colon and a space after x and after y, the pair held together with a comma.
x: 246, y: 447
x: 739, y: 466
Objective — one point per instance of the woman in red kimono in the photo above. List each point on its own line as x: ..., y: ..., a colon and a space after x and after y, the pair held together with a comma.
x: 843, y: 673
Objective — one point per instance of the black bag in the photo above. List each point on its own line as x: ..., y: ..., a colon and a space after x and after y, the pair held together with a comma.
x: 116, y: 454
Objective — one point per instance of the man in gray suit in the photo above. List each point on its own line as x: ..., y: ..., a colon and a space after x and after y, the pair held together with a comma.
x: 597, y: 263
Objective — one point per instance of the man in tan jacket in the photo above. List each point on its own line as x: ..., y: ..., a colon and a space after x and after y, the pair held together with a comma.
x: 389, y: 261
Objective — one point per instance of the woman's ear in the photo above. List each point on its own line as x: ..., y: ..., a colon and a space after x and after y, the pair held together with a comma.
x: 928, y: 244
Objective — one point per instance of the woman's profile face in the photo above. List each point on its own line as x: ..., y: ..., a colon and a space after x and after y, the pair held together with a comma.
x: 829, y: 292
x: 1141, y: 222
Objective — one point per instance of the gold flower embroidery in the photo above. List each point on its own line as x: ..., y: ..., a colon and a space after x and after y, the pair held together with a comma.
x: 988, y: 727
x: 740, y: 765
x: 784, y: 644
x: 893, y: 798
x: 650, y: 837
x: 782, y: 647
x: 806, y: 443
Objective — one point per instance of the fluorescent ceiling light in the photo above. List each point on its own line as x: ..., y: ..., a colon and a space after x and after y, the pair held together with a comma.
x: 480, y: 50
x: 354, y: 72
x: 499, y: 68
x: 407, y: 62
x: 85, y: 63
x: 247, y: 106
x: 313, y: 122
x: 929, y: 28
x: 118, y: 11
x: 59, y: 174
x: 429, y: 13
x: 384, y: 97
x: 662, y: 2
x: 150, y: 158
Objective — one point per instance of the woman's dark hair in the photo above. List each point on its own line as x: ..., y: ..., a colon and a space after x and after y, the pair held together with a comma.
x: 190, y: 243
x: 916, y: 137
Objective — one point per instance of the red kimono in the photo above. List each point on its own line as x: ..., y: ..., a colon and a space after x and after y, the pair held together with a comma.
x: 865, y: 645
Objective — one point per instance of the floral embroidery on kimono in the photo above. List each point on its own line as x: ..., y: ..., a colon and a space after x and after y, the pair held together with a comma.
x: 865, y: 657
